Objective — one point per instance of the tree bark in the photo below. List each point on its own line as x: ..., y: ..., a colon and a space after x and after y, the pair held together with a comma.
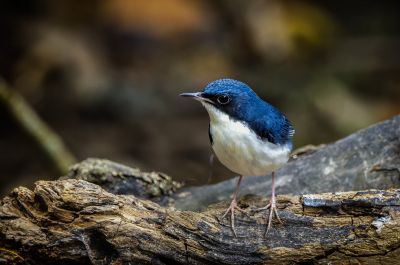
x: 77, y: 222
x: 87, y: 217
x: 120, y: 179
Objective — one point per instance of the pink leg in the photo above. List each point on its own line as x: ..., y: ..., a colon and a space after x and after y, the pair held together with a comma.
x: 233, y: 206
x: 271, y: 206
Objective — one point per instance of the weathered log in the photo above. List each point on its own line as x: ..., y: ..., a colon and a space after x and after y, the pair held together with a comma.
x: 77, y: 222
x: 73, y: 221
x: 120, y: 179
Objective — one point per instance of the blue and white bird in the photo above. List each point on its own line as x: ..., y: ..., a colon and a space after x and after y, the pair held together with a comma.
x: 248, y: 135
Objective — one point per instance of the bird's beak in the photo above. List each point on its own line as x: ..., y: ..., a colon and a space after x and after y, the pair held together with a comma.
x: 197, y: 96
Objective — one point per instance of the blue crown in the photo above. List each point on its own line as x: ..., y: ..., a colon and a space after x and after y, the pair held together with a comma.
x: 241, y: 103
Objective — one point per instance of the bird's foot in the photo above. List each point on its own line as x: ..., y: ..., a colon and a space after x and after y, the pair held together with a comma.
x: 232, y: 209
x: 272, y: 212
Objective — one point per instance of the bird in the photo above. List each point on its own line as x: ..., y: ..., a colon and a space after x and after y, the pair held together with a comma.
x: 248, y: 135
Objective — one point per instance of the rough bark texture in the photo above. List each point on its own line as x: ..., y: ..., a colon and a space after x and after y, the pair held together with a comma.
x: 77, y: 222
x: 120, y: 179
x: 74, y: 221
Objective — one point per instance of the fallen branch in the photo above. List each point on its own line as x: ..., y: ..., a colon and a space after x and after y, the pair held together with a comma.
x: 77, y: 222
x: 36, y: 128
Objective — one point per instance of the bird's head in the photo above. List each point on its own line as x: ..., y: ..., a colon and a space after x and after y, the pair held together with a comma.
x: 236, y: 100
x: 227, y: 95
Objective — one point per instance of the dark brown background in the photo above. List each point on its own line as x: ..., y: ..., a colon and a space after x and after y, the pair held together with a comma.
x: 105, y: 74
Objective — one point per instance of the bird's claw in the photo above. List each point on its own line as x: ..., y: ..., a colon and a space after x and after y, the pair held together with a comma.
x: 233, y: 206
x: 272, y: 212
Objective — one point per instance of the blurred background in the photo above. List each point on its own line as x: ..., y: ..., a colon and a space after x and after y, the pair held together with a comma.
x: 105, y: 75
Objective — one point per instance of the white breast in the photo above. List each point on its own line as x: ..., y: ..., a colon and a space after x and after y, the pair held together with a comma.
x: 239, y: 148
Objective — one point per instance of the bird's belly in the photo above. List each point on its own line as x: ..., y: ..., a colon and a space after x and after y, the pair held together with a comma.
x: 241, y: 151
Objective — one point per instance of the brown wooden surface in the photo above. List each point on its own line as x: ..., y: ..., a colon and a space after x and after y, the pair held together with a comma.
x: 102, y: 212
x: 77, y: 222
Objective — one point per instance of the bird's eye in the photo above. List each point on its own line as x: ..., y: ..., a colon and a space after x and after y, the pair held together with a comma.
x: 224, y: 99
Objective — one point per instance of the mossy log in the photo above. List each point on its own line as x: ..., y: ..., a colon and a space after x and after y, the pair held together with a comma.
x: 77, y: 222
x: 120, y: 179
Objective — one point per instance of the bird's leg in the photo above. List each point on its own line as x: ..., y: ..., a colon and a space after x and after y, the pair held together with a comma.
x: 233, y: 206
x: 271, y: 206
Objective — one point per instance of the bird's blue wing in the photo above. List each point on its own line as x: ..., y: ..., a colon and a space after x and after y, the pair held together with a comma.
x: 276, y: 129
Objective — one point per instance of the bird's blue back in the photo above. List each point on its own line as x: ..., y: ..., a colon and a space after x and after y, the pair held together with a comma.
x: 246, y: 106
